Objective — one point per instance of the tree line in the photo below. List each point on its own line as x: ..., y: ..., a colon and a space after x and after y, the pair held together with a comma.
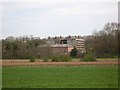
x: 103, y: 43
x: 21, y: 47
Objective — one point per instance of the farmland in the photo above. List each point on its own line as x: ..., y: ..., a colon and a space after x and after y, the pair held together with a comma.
x: 84, y: 76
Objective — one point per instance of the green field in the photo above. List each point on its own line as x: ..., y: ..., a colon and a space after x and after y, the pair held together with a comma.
x: 93, y: 76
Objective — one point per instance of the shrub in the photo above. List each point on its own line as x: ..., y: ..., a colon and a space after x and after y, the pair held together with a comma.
x: 32, y: 59
x: 61, y: 58
x: 46, y: 59
x: 89, y: 57
x: 65, y: 58
x: 55, y: 59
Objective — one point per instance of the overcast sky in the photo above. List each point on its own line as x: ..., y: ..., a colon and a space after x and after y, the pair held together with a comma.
x: 45, y: 18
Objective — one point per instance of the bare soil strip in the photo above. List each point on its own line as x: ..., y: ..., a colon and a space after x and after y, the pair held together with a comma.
x: 40, y: 63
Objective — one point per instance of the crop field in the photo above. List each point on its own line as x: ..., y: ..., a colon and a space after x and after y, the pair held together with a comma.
x: 85, y: 76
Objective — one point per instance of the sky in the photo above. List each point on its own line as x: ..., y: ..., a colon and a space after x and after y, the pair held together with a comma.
x: 43, y: 18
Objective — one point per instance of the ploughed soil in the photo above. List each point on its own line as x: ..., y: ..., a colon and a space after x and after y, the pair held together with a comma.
x: 41, y: 63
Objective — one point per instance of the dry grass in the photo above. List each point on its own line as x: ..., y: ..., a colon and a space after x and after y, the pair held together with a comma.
x: 26, y: 62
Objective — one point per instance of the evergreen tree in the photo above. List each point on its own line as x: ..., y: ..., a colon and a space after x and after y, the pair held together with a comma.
x: 73, y: 52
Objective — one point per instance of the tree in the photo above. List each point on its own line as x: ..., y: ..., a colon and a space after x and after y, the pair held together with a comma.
x: 20, y: 47
x: 105, y: 41
x: 73, y: 52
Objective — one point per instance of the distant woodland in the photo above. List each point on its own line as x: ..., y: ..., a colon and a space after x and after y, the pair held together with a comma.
x: 102, y: 43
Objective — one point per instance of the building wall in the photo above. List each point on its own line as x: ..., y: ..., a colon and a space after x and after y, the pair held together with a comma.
x: 69, y: 49
x: 80, y: 45
x: 59, y: 50
x: 46, y: 51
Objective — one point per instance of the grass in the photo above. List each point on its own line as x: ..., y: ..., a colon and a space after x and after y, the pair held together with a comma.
x: 61, y: 77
